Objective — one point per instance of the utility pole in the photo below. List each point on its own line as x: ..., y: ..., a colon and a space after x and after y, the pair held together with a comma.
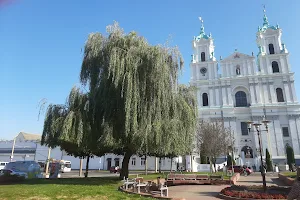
x: 48, y: 160
x: 12, y: 150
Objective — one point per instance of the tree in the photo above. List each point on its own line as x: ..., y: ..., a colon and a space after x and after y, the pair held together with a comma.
x: 69, y: 126
x: 268, y: 161
x: 290, y: 156
x: 212, y: 139
x: 203, y: 159
x: 229, y: 160
x: 136, y: 95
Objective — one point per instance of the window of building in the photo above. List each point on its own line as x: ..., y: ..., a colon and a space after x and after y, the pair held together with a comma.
x: 133, y: 161
x: 244, y: 128
x: 279, y: 94
x: 202, y: 56
x: 285, y: 131
x: 271, y: 48
x: 204, y: 99
x: 241, y: 99
x: 143, y: 161
x: 275, y: 67
x: 238, y: 70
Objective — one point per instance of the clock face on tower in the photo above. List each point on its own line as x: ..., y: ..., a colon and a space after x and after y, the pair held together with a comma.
x: 203, y: 71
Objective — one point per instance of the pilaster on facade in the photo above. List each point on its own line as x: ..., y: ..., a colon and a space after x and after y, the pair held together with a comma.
x: 294, y: 133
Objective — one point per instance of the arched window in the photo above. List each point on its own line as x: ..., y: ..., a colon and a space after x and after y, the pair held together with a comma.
x: 202, y: 56
x: 271, y: 48
x: 279, y: 94
x: 204, y: 99
x: 238, y: 70
x: 248, y: 152
x: 275, y: 67
x: 241, y: 99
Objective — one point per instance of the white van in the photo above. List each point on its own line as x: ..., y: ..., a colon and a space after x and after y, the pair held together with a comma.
x: 2, y: 164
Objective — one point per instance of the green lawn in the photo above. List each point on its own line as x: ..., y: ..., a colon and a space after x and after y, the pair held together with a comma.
x: 290, y: 174
x: 73, y: 188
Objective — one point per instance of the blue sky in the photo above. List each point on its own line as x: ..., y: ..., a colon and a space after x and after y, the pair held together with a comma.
x: 41, y: 41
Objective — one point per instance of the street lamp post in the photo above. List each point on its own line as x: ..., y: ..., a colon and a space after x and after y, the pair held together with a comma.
x: 257, y: 126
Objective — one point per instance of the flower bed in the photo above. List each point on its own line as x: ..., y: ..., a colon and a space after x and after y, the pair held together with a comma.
x: 255, y: 192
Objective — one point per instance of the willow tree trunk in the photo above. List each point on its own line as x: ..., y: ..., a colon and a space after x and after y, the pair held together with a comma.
x: 87, y: 167
x: 146, y: 165
x: 125, y: 164
x: 80, y: 167
x: 159, y: 165
x: 210, y: 163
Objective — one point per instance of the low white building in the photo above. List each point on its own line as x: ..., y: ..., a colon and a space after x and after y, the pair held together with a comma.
x: 27, y: 147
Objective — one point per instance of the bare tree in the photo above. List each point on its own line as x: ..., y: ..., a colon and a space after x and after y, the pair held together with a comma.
x: 212, y: 139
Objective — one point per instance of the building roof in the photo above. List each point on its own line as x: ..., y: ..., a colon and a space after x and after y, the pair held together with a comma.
x: 29, y: 136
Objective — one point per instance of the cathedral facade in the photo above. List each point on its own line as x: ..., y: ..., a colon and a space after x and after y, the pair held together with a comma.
x: 243, y: 88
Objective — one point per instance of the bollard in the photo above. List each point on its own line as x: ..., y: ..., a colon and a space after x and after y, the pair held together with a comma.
x: 298, y: 172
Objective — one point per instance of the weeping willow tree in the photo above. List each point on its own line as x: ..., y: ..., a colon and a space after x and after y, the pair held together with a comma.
x: 136, y: 96
x: 70, y: 126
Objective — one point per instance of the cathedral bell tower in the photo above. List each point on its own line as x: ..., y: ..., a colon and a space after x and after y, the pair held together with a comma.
x: 272, y: 55
x: 203, y: 64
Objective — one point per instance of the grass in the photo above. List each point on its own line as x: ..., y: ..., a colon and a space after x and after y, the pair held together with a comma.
x: 67, y: 188
x: 290, y: 174
x: 102, y: 188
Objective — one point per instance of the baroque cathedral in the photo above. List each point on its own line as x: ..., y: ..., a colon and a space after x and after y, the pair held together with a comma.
x: 250, y: 88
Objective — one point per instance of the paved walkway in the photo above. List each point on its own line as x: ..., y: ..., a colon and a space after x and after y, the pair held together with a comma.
x: 256, y: 179
x: 195, y: 192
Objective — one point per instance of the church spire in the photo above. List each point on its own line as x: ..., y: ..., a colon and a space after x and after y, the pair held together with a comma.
x: 202, y: 26
x: 266, y: 23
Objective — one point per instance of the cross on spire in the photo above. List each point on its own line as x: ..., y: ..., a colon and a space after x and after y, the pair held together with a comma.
x: 202, y: 26
x: 266, y: 23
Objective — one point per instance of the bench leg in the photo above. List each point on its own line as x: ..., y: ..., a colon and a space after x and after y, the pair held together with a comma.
x: 139, y: 189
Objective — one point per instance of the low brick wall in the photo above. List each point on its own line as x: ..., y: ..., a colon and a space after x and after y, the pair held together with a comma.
x: 287, y: 180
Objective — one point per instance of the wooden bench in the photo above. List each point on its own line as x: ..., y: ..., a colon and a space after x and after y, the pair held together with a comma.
x: 182, y: 179
x: 202, y: 177
x: 216, y: 177
x: 190, y: 177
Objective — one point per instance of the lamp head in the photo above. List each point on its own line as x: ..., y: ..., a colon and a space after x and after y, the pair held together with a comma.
x: 257, y: 125
x: 249, y: 125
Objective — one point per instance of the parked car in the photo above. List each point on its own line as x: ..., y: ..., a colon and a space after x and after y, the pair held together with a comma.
x: 12, y: 172
x: 2, y: 164
x: 114, y: 169
x: 241, y: 169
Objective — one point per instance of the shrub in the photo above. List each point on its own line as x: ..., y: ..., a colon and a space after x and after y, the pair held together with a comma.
x: 7, y: 178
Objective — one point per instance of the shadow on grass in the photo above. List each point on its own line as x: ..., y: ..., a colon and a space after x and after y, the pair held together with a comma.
x: 70, y: 181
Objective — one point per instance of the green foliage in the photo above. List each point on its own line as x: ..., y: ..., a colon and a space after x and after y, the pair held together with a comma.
x: 290, y: 155
x: 134, y: 104
x: 269, y: 161
x: 136, y: 96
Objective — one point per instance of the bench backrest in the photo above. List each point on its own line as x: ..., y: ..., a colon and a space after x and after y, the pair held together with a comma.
x: 171, y: 176
x: 139, y: 180
x: 216, y: 177
x: 202, y: 176
x: 190, y: 176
